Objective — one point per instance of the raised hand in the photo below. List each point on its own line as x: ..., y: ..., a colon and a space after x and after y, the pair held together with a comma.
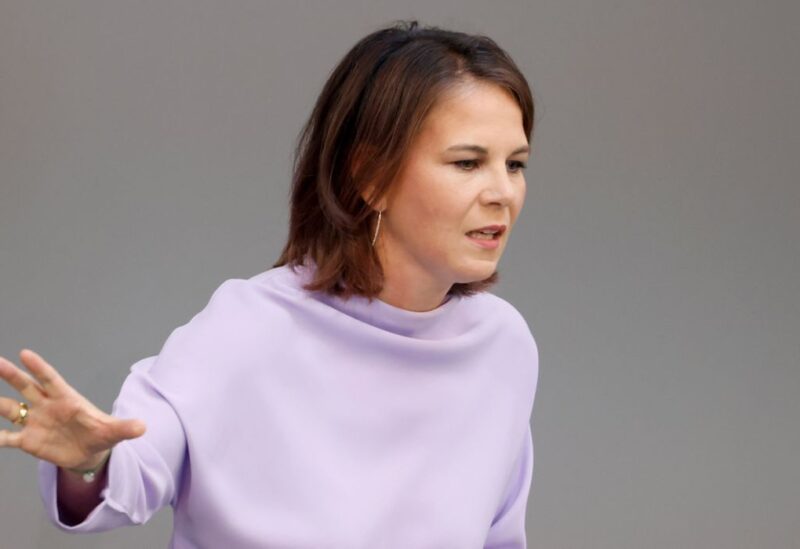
x: 61, y: 426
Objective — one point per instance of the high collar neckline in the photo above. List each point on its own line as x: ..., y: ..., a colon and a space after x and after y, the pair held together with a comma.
x: 380, y: 314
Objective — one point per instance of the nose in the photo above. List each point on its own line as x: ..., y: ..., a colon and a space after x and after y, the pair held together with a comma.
x: 500, y: 187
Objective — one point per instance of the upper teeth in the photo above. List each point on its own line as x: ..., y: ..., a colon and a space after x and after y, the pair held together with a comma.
x: 482, y: 233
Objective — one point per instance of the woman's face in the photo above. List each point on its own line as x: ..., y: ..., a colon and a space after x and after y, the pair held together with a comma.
x: 446, y: 190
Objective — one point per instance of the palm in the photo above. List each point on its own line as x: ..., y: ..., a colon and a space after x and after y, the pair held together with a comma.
x: 67, y: 431
x: 62, y: 426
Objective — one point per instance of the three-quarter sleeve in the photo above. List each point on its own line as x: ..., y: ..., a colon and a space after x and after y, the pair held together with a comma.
x: 508, y: 527
x: 143, y: 473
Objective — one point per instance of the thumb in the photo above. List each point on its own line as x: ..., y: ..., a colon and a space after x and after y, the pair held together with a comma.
x: 129, y: 428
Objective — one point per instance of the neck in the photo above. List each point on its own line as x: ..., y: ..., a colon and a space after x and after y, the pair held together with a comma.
x: 407, y: 286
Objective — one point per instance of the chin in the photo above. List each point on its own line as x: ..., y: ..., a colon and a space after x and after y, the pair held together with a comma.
x: 475, y: 273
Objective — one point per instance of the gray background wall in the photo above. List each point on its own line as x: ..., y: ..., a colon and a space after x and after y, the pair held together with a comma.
x: 144, y: 159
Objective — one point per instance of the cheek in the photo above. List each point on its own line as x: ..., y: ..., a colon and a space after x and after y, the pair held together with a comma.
x: 427, y: 200
x: 445, y: 212
x: 414, y: 217
x: 429, y: 207
x: 447, y: 198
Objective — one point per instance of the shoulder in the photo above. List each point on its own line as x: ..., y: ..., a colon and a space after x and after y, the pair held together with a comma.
x: 235, y: 324
x: 227, y: 311
x: 240, y: 306
x: 506, y: 315
x: 513, y: 333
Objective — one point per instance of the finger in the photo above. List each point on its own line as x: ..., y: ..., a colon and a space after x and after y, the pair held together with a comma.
x: 128, y: 428
x: 21, y: 381
x: 45, y: 374
x: 9, y: 408
x: 10, y: 439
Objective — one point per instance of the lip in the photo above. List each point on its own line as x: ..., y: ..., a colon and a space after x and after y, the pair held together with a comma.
x: 499, y: 229
x: 490, y: 244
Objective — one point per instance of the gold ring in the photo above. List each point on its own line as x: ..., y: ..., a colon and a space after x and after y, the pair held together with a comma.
x: 23, y: 414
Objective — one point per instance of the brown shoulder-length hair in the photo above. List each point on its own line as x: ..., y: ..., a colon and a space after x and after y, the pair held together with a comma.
x: 364, y: 121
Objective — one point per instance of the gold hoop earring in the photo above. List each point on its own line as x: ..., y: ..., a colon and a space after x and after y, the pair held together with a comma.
x: 377, y: 226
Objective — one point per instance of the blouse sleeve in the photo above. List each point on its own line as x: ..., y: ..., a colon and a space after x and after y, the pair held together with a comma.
x: 143, y: 473
x: 508, y: 527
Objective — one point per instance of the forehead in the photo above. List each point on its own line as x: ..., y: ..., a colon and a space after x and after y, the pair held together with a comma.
x: 476, y: 109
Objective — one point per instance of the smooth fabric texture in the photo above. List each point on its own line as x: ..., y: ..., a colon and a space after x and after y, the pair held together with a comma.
x: 282, y: 418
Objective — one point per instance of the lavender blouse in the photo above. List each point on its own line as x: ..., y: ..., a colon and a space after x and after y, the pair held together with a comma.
x: 282, y: 418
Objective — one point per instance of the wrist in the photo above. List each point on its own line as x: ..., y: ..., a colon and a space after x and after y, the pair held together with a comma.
x: 89, y: 469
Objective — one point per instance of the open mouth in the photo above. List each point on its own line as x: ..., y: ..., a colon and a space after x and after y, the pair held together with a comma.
x: 480, y: 235
x: 489, y: 232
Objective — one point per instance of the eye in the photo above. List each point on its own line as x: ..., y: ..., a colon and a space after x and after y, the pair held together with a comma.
x: 520, y: 165
x: 469, y: 165
x: 460, y: 164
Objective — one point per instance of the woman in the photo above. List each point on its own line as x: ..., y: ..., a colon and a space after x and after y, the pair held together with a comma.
x: 365, y: 391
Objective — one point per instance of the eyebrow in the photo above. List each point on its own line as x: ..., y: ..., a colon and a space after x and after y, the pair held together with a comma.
x: 482, y: 150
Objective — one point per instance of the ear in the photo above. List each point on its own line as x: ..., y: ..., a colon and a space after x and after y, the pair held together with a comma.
x: 368, y: 188
x: 377, y: 205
